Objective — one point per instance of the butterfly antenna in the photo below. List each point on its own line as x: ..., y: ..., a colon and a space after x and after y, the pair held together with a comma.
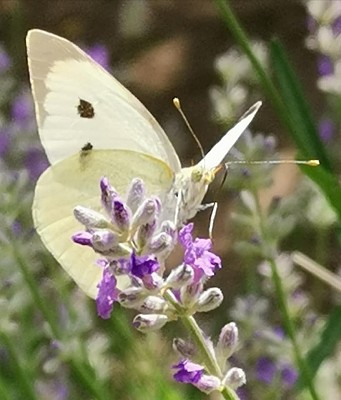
x: 310, y: 163
x: 177, y: 105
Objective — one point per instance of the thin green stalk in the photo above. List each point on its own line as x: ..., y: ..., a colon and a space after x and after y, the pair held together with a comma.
x: 270, y: 255
x: 41, y: 303
x: 241, y: 38
x: 4, y: 392
x: 22, y: 378
x: 196, y: 333
x: 209, y: 361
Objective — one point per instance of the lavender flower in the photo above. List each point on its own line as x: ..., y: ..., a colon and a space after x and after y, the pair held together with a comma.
x: 265, y: 370
x: 197, y: 254
x: 188, y: 372
x: 134, y: 244
x: 22, y: 108
x: 107, y: 294
x: 5, y: 61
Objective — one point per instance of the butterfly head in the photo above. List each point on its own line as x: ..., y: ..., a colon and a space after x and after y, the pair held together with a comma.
x: 191, y: 185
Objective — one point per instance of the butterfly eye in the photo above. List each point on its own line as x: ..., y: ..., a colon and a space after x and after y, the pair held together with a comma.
x: 85, y: 109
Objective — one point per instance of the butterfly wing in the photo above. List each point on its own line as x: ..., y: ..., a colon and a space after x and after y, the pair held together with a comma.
x: 219, y: 151
x: 77, y: 103
x: 75, y: 181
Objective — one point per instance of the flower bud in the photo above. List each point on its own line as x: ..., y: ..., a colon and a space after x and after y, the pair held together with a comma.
x: 135, y: 194
x: 153, y: 281
x: 152, y: 304
x: 184, y: 348
x: 150, y: 322
x: 160, y: 244
x: 209, y: 300
x: 228, y: 341
x: 208, y: 383
x: 234, y: 378
x: 145, y: 214
x: 90, y: 218
x: 103, y: 240
x: 121, y: 215
x: 131, y: 297
x: 83, y: 238
x: 107, y: 194
x: 169, y: 228
x: 180, y: 276
x: 144, y: 234
x: 189, y: 294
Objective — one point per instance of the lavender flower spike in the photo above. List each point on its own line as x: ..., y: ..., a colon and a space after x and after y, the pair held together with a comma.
x: 107, y: 294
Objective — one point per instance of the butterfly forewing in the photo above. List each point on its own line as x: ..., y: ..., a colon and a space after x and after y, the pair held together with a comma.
x: 62, y: 77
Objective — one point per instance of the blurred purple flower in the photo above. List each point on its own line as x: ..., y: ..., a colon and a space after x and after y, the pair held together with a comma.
x: 16, y: 228
x: 265, y: 370
x: 188, y: 372
x: 327, y: 129
x: 197, y: 254
x: 35, y: 162
x: 242, y: 393
x: 336, y: 25
x: 22, y: 108
x: 4, y: 141
x: 5, y: 61
x: 289, y: 375
x: 311, y: 24
x: 325, y: 65
x: 107, y: 294
x: 278, y: 330
x: 100, y: 54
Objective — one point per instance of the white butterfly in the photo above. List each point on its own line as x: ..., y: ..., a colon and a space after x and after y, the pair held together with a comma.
x: 91, y: 126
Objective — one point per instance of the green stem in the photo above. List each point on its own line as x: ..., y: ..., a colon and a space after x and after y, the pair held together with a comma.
x: 22, y: 377
x: 208, y: 359
x: 270, y: 256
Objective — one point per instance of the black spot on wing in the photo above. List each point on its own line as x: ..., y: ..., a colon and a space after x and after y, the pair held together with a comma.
x: 85, y: 109
x: 87, y: 147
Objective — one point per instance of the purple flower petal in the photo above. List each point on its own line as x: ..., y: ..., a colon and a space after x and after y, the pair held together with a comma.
x: 107, y: 294
x: 141, y: 266
x: 188, y: 372
x: 197, y: 254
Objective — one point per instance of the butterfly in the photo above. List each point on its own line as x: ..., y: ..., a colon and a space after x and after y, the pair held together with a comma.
x: 91, y: 126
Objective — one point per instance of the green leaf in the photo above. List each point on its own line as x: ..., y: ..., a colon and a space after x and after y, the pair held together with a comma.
x: 330, y: 338
x: 304, y: 130
x: 302, y: 127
